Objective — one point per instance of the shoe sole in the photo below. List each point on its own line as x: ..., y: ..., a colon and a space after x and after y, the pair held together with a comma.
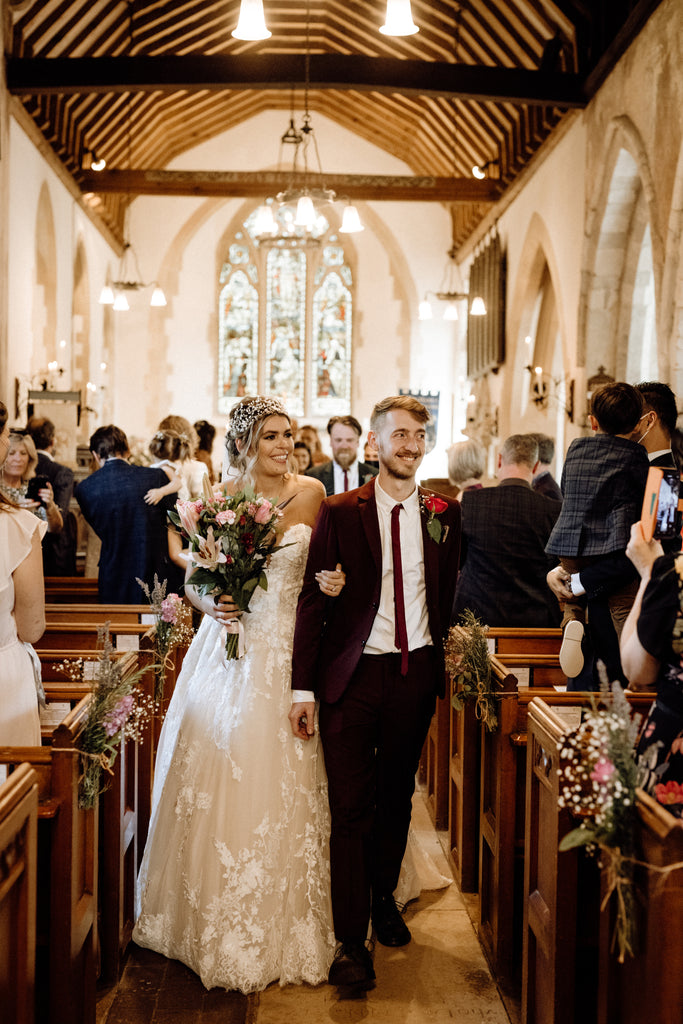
x: 571, y: 655
x: 350, y: 975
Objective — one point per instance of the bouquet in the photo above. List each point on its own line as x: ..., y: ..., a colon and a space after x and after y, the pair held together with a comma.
x: 118, y: 706
x: 468, y: 662
x: 598, y: 785
x: 231, y: 537
x: 173, y: 627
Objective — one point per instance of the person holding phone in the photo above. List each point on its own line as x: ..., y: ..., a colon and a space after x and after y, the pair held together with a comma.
x: 19, y: 483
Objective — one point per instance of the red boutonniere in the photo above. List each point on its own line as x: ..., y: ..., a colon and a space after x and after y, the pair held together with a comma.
x: 433, y: 507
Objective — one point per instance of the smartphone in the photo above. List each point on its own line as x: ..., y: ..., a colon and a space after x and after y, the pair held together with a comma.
x: 660, y: 505
x: 35, y: 484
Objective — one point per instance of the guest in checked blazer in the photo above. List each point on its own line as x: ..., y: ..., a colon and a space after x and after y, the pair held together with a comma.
x: 344, y: 472
x: 373, y: 656
x: 134, y: 535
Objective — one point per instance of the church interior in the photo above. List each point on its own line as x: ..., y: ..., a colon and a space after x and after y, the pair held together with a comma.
x: 497, y: 228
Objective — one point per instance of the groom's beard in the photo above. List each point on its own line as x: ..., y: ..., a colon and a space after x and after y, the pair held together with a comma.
x: 400, y: 470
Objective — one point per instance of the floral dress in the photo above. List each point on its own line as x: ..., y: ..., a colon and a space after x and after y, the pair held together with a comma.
x: 659, y: 751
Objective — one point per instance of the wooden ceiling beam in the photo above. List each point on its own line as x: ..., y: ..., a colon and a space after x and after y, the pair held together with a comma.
x: 257, y: 184
x: 39, y: 75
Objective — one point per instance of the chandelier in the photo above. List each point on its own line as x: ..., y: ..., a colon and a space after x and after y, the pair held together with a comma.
x: 129, y: 279
x: 251, y: 23
x: 450, y: 294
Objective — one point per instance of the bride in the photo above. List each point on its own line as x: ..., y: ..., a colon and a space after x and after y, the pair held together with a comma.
x: 235, y: 875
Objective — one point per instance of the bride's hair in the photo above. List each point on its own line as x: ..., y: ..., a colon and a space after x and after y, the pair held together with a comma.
x: 245, y: 425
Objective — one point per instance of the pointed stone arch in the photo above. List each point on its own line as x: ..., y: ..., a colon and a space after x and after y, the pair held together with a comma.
x: 44, y: 311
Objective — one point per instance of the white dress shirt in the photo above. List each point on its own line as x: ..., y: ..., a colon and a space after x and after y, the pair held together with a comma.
x: 382, y: 634
x: 352, y: 473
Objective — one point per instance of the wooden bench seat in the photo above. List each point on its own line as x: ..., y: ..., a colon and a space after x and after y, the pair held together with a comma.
x: 18, y: 874
x: 68, y: 589
x: 67, y: 876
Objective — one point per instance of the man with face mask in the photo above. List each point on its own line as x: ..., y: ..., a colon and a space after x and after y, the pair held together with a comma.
x: 657, y: 423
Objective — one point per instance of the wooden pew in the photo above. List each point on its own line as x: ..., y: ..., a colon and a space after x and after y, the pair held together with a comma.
x: 18, y: 873
x: 67, y: 872
x: 98, y: 613
x: 462, y: 757
x: 504, y: 640
x: 124, y: 809
x: 67, y: 589
x: 569, y: 972
x: 502, y: 815
x: 83, y: 636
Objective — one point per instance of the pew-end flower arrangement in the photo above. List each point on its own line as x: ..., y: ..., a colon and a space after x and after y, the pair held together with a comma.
x: 172, y: 628
x: 598, y: 779
x: 118, y: 707
x: 468, y: 663
x: 231, y: 538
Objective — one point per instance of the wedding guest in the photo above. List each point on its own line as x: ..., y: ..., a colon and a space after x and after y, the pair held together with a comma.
x: 193, y: 469
x: 466, y: 465
x: 344, y: 472
x: 206, y: 432
x: 170, y: 451
x: 310, y: 436
x: 650, y: 657
x: 22, y: 613
x: 59, y: 549
x: 544, y: 482
x: 134, y: 535
x: 302, y: 456
x: 17, y: 470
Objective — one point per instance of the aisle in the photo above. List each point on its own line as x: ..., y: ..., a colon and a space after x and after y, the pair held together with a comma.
x: 440, y: 978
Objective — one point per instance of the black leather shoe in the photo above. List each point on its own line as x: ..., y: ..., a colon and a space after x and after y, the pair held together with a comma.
x: 390, y: 928
x: 352, y: 969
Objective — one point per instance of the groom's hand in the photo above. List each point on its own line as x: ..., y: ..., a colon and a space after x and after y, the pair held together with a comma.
x: 302, y: 719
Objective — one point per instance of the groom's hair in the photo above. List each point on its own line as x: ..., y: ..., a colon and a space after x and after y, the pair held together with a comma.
x: 405, y: 402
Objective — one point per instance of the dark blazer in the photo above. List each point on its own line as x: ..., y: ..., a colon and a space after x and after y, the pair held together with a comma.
x: 666, y: 460
x: 133, y: 534
x: 59, y: 549
x: 325, y: 473
x: 603, y: 483
x: 504, y: 564
x: 545, y: 483
x: 331, y: 633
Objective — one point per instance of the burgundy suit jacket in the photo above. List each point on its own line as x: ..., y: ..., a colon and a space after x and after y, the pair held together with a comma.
x: 331, y: 633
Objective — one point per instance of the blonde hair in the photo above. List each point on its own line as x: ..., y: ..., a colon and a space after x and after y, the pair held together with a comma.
x: 170, y: 445
x: 247, y: 419
x: 405, y: 402
x: 15, y: 438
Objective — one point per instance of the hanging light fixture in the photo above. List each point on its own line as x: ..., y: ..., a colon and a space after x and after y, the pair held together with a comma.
x: 251, y: 24
x: 479, y: 170
x: 129, y: 279
x: 478, y: 307
x: 451, y: 294
x: 351, y: 222
x: 399, y: 19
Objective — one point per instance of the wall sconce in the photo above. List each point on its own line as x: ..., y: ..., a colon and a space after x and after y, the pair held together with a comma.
x: 545, y: 388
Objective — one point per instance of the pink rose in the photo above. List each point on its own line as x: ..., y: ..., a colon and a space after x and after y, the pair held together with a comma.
x: 263, y: 513
x: 188, y: 513
x: 602, y: 771
x: 226, y: 515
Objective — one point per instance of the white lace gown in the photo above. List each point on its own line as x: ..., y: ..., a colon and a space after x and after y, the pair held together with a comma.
x: 235, y: 875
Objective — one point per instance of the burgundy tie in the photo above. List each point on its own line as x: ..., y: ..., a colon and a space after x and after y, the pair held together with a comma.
x: 346, y: 480
x: 401, y: 631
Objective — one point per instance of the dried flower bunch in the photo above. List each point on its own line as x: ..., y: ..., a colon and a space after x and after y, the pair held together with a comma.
x: 173, y: 627
x: 598, y: 784
x: 117, y: 706
x: 468, y: 662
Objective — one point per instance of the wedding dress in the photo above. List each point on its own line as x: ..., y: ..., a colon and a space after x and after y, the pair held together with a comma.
x: 235, y: 876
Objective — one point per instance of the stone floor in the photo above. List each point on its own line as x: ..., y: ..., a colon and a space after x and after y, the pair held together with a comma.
x: 440, y: 978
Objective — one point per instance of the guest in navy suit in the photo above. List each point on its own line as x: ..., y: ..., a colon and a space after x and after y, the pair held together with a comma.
x: 374, y: 657
x: 344, y: 472
x: 134, y: 535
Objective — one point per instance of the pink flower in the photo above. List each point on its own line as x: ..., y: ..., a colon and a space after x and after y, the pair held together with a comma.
x: 115, y: 719
x: 188, y: 513
x: 602, y: 771
x: 209, y: 553
x: 264, y: 513
x: 251, y: 508
x: 226, y: 515
x: 170, y: 607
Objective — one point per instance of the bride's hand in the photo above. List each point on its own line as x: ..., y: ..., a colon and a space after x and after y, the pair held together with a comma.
x: 224, y: 609
x: 331, y: 581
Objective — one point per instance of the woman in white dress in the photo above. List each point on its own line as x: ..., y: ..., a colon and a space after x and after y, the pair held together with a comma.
x: 22, y: 613
x: 235, y: 876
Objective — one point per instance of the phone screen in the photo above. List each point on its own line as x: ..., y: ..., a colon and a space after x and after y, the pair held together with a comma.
x: 667, y: 505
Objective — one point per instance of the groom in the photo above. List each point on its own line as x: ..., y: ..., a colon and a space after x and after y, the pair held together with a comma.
x: 373, y: 656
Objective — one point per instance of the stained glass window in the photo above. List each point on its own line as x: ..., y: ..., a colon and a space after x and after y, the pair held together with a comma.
x: 294, y: 293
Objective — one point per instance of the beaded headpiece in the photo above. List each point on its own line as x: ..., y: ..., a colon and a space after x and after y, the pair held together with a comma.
x: 243, y: 416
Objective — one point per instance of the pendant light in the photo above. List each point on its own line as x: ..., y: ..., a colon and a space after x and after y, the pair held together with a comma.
x: 251, y: 24
x: 399, y: 19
